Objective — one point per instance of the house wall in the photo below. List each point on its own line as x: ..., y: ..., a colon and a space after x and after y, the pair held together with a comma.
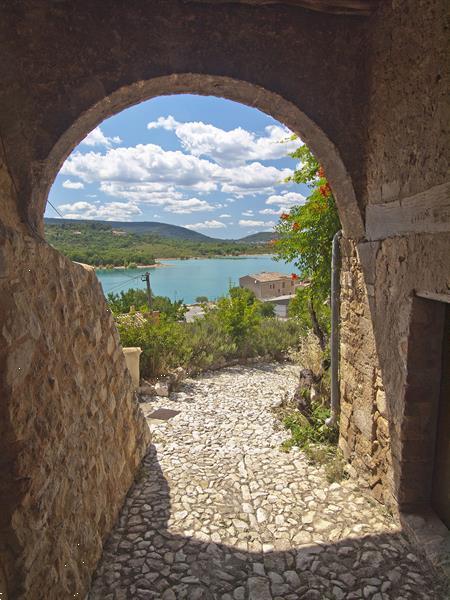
x: 268, y: 289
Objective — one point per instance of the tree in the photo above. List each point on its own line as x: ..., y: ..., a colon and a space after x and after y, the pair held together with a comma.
x: 305, y: 238
x: 238, y: 314
x: 122, y: 302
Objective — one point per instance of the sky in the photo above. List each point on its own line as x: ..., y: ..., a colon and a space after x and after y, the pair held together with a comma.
x: 209, y: 164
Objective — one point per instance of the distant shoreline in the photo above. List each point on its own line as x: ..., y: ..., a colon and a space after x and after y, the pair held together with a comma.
x: 159, y: 264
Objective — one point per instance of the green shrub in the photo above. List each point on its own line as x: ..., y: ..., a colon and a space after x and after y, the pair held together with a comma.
x: 234, y: 329
x: 164, y: 343
x: 122, y: 302
x: 238, y: 316
x: 309, y: 430
x: 267, y: 309
x: 201, y: 299
x: 209, y: 343
x: 275, y: 338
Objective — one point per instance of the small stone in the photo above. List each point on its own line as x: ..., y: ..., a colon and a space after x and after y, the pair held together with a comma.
x: 239, y: 593
x: 308, y: 517
x: 261, y: 515
x: 162, y: 389
x: 259, y: 588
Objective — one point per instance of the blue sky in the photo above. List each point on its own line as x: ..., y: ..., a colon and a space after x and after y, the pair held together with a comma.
x: 206, y: 163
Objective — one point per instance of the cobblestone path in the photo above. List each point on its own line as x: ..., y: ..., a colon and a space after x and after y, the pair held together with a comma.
x: 219, y: 512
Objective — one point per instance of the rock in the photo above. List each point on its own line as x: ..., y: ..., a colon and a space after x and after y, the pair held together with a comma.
x: 162, y: 389
x: 259, y: 588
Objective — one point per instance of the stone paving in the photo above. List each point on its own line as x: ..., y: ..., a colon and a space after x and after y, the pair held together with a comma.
x: 219, y: 512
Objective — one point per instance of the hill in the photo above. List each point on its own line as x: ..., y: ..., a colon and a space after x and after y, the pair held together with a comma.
x: 137, y: 228
x: 106, y: 243
x: 259, y: 238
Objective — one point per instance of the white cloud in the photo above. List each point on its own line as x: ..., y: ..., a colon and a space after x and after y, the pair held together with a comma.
x: 286, y: 200
x: 98, y: 138
x: 72, y: 185
x: 155, y: 170
x: 248, y: 213
x: 225, y: 216
x: 206, y: 225
x: 252, y: 223
x: 229, y: 148
x: 270, y: 211
x: 187, y: 206
x: 114, y: 211
x: 167, y: 197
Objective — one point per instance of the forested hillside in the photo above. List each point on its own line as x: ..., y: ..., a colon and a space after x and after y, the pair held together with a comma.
x: 102, y: 244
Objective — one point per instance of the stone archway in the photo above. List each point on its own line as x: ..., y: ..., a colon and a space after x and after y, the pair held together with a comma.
x: 225, y: 87
x: 366, y: 93
x: 67, y: 341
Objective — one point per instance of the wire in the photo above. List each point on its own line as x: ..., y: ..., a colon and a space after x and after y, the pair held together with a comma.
x: 122, y: 283
x: 55, y: 209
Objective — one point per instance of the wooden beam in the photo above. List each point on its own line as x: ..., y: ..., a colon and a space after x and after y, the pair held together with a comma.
x: 427, y: 212
x: 340, y: 7
x: 434, y: 296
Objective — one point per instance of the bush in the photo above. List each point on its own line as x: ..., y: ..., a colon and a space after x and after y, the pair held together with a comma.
x: 235, y: 329
x: 209, y: 343
x: 201, y: 299
x: 267, y: 309
x: 123, y: 302
x: 164, y: 343
x: 238, y: 316
x: 308, y: 431
x: 274, y: 338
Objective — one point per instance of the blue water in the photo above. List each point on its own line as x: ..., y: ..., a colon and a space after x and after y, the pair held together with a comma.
x: 187, y: 279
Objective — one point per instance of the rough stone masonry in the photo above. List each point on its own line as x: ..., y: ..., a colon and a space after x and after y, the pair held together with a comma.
x: 367, y: 92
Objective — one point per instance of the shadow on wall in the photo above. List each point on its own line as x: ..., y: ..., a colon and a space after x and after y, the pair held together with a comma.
x: 144, y: 559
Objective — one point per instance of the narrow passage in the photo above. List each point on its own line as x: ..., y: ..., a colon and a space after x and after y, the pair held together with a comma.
x: 219, y: 512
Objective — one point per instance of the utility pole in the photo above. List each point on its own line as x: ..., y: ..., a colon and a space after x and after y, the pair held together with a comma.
x: 146, y: 278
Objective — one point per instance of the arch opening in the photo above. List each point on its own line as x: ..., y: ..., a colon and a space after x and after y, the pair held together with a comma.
x: 239, y: 91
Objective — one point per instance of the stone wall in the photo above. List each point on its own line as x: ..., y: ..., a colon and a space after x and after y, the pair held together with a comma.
x: 384, y: 420
x: 406, y: 167
x: 364, y: 429
x: 71, y: 431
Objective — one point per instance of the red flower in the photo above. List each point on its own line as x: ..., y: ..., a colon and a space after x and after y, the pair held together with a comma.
x: 325, y: 190
x: 295, y: 226
x: 284, y: 216
x: 294, y: 276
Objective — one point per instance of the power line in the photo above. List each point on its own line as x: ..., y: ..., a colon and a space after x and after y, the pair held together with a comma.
x: 123, y: 282
x: 55, y: 209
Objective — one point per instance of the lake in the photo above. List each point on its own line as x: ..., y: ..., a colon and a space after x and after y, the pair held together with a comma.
x: 187, y: 279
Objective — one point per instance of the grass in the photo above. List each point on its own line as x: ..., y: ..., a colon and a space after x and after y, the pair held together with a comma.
x: 317, y: 441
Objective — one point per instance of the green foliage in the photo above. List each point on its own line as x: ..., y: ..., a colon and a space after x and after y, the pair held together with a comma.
x: 307, y: 172
x: 310, y: 430
x: 210, y: 345
x: 124, y: 301
x: 238, y: 314
x: 298, y: 309
x: 164, y: 343
x: 306, y: 232
x: 275, y: 339
x: 267, y: 309
x: 201, y: 299
x: 235, y: 329
x: 99, y: 244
